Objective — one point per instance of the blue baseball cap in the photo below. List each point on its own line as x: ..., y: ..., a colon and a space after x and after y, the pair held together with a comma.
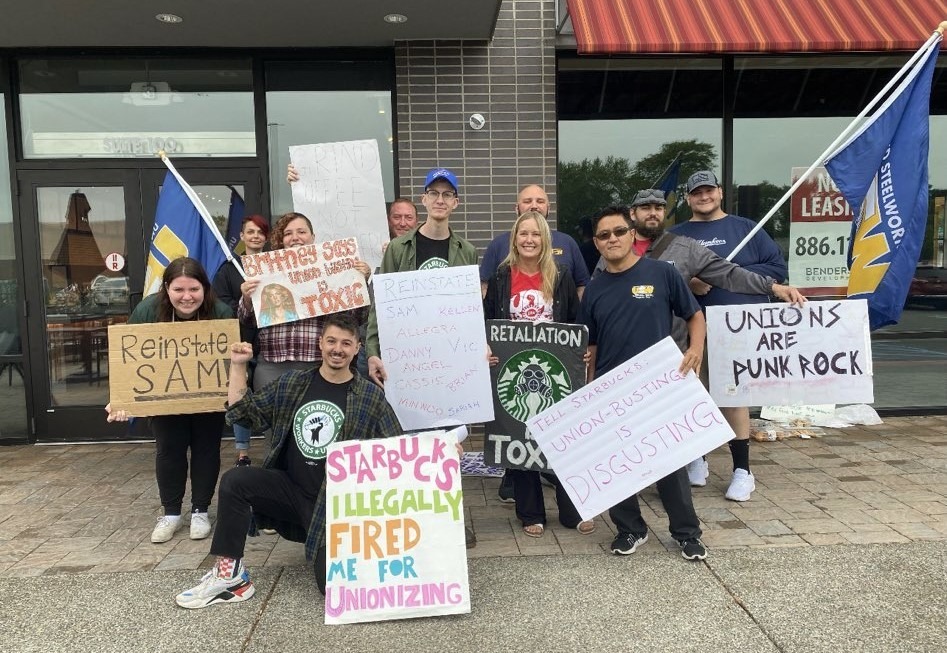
x: 441, y: 173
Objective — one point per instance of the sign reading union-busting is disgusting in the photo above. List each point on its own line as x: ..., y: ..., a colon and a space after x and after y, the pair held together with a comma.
x: 539, y: 364
x: 170, y: 368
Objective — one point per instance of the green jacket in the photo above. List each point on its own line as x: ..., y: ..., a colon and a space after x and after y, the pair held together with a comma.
x: 147, y: 311
x: 401, y: 256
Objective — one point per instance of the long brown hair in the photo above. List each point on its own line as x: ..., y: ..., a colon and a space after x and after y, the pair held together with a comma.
x: 185, y: 267
x: 276, y: 235
x: 547, y: 264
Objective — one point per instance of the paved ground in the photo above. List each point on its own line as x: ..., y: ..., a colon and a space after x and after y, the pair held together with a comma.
x: 843, y: 544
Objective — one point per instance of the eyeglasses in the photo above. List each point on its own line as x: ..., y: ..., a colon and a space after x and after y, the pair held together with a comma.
x: 607, y: 234
x: 447, y: 194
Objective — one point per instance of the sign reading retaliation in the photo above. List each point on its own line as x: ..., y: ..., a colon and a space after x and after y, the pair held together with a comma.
x: 540, y: 364
x: 170, y: 368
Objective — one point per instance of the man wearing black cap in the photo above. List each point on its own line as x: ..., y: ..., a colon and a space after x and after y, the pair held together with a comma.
x: 431, y: 245
x: 720, y: 232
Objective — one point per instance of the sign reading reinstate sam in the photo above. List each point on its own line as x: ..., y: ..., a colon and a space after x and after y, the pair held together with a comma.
x: 540, y: 364
x: 170, y: 368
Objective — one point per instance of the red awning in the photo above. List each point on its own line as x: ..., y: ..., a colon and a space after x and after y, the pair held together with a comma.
x: 718, y: 26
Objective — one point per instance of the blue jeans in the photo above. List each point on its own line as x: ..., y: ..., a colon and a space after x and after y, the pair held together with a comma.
x: 241, y: 437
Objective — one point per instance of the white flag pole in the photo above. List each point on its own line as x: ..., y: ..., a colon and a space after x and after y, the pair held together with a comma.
x: 199, y: 205
x: 935, y: 37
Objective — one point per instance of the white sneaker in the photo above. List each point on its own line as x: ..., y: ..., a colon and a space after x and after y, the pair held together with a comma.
x: 741, y: 486
x: 165, y: 529
x: 213, y: 589
x: 697, y: 472
x: 200, y: 525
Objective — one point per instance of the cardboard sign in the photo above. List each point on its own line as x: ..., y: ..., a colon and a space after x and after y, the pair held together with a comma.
x: 395, y: 529
x: 540, y: 363
x: 797, y: 412
x: 340, y: 190
x: 820, y: 229
x: 298, y: 283
x: 629, y: 428
x: 170, y: 368
x: 433, y: 344
x: 782, y: 355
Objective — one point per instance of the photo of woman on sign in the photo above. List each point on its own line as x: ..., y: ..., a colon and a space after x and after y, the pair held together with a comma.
x: 277, y: 305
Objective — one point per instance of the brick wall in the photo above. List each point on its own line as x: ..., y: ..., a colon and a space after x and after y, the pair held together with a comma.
x: 512, y: 82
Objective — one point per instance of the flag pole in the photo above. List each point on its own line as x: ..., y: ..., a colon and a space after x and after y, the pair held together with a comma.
x: 199, y: 205
x: 937, y: 35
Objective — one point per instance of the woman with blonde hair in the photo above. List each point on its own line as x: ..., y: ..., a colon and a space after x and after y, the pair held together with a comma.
x: 530, y: 286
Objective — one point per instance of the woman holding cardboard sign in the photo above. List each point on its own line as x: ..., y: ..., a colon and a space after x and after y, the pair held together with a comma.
x: 185, y: 294
x: 287, y: 345
x: 530, y: 286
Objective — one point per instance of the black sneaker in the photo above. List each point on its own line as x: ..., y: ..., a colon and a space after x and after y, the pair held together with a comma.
x: 242, y: 461
x: 693, y: 549
x: 627, y: 543
x: 506, y: 489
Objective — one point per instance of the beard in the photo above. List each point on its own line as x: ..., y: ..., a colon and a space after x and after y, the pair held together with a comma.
x: 649, y: 233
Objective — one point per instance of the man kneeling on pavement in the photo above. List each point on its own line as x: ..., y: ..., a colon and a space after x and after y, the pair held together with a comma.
x: 307, y: 411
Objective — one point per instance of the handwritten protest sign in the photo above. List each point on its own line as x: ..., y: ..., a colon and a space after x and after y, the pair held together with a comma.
x: 433, y: 344
x: 306, y: 281
x: 779, y: 354
x: 820, y: 230
x: 540, y: 363
x: 170, y: 368
x: 341, y: 190
x: 808, y: 412
x: 629, y: 428
x: 395, y: 529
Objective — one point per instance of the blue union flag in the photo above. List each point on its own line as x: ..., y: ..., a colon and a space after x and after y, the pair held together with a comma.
x: 883, y: 169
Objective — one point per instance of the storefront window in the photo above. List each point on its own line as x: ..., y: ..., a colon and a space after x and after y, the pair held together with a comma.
x: 120, y: 108
x: 327, y: 102
x: 623, y: 122
x: 13, y: 422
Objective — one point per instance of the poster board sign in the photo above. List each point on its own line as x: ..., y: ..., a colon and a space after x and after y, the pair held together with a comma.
x: 395, y: 529
x: 298, y: 283
x: 340, y: 190
x: 807, y: 412
x: 820, y: 228
x: 780, y: 354
x: 540, y: 364
x: 170, y: 368
x: 434, y: 346
x: 629, y: 428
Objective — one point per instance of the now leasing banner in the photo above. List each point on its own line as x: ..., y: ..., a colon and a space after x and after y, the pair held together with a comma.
x: 628, y: 428
x: 395, y: 529
x: 430, y: 329
x: 783, y: 355
x: 297, y: 283
x: 540, y: 364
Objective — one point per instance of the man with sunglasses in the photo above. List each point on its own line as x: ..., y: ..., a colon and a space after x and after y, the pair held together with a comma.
x: 628, y: 308
x: 431, y: 245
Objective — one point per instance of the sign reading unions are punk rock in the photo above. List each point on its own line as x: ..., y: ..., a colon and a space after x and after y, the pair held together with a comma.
x: 540, y: 364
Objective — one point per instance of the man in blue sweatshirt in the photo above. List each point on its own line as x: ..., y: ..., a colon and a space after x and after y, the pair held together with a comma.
x: 721, y: 232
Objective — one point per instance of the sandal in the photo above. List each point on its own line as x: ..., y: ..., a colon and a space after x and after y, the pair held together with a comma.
x: 534, y: 530
x: 586, y: 527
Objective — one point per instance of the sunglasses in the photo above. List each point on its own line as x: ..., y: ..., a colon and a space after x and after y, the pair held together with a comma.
x: 607, y: 234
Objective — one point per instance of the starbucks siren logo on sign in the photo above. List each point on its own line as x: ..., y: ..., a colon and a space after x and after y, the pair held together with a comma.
x: 530, y: 382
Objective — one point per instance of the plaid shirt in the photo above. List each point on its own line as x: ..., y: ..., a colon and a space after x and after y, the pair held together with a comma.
x: 367, y: 415
x: 291, y: 341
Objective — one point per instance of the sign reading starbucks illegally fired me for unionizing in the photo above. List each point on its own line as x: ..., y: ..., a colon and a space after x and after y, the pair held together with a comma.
x: 628, y: 428
x: 540, y: 363
x: 395, y: 529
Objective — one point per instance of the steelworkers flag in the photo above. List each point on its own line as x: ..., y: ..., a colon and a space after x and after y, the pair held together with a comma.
x: 183, y: 227
x: 882, y: 168
x: 668, y: 183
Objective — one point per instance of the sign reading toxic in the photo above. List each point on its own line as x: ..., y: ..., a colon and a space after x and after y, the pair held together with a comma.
x: 628, y: 428
x: 784, y: 355
x: 395, y: 529
x: 340, y: 188
x: 170, y: 368
x: 540, y: 364
x: 297, y: 283
x: 819, y: 233
x: 430, y: 329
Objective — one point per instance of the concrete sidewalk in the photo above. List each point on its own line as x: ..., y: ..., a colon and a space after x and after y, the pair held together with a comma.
x: 841, y: 545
